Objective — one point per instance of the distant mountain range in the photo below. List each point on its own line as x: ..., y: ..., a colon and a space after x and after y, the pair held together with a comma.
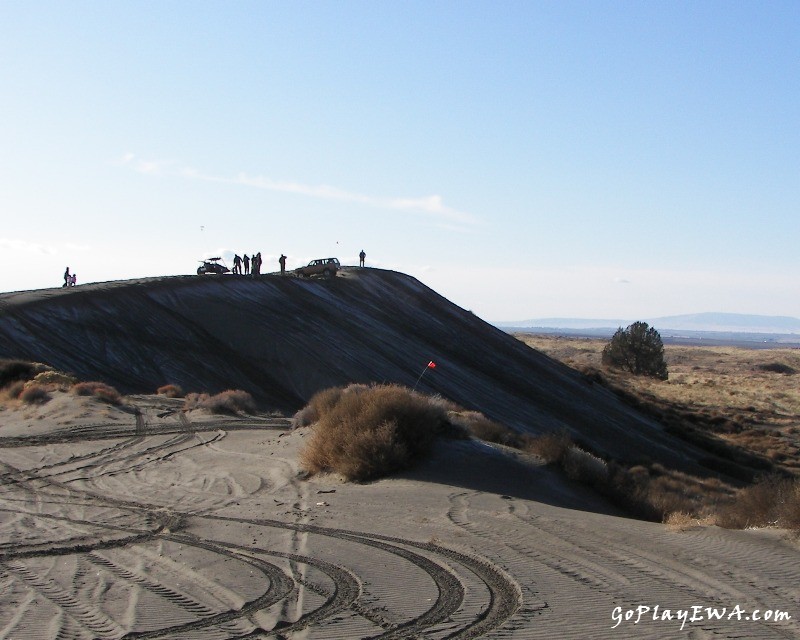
x: 711, y: 322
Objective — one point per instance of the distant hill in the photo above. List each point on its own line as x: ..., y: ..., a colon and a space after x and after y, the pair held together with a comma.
x: 731, y: 322
x: 711, y: 322
x: 564, y: 323
x: 284, y: 338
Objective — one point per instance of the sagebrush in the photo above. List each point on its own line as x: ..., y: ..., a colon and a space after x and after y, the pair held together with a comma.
x: 368, y: 432
x: 232, y: 401
x: 34, y: 394
x: 170, y: 391
x: 99, y: 390
x: 774, y: 501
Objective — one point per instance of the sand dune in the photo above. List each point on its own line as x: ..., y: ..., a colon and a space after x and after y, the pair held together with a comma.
x: 143, y: 521
x: 284, y: 338
x: 197, y: 526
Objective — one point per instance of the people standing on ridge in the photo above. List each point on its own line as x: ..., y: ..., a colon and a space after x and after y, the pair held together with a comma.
x: 282, y: 261
x: 246, y: 260
x: 237, y: 263
x: 256, y: 263
x: 362, y: 256
x: 73, y: 280
x: 66, y: 277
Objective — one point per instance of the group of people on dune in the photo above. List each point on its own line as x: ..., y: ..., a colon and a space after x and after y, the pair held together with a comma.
x: 248, y: 263
x: 241, y: 265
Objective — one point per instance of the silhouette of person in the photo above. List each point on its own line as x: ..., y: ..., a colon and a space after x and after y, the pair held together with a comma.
x: 67, y: 278
x: 246, y: 260
x: 362, y: 256
x: 73, y: 280
x: 237, y: 263
x: 282, y: 261
x: 257, y: 264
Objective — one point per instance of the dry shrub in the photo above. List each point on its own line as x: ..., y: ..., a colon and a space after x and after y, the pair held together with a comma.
x: 373, y: 432
x: 194, y: 401
x: 656, y: 492
x: 550, y: 447
x: 34, y: 394
x: 679, y: 521
x: 651, y: 493
x: 14, y: 389
x: 663, y: 495
x: 582, y: 466
x: 170, y: 391
x: 55, y: 380
x: 789, y: 514
x: 774, y: 501
x: 99, y: 390
x: 232, y: 401
x: 322, y: 402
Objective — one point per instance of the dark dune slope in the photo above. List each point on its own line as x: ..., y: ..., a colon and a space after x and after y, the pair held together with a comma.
x: 283, y: 338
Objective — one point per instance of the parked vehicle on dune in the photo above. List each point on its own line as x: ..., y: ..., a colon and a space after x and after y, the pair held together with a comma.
x: 321, y: 266
x: 212, y: 266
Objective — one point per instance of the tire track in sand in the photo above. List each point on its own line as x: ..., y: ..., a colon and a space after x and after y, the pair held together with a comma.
x: 448, y: 569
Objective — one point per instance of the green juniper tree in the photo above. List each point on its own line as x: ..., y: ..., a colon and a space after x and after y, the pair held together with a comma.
x: 637, y: 349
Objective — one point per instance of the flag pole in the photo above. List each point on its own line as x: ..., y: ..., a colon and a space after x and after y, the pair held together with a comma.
x: 431, y: 365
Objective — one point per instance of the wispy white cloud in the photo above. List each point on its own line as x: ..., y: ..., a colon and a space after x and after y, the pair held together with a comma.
x: 432, y: 206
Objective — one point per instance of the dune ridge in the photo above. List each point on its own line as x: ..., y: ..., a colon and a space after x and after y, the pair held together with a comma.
x: 282, y: 339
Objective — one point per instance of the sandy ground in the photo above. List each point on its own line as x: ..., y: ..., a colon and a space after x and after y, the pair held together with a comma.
x: 158, y: 524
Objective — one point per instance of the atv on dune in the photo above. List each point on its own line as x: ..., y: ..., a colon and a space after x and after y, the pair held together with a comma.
x: 212, y: 266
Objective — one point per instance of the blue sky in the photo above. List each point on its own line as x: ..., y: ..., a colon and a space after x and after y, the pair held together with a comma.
x: 525, y: 159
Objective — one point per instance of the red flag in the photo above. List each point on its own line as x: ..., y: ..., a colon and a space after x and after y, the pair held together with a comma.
x: 431, y: 365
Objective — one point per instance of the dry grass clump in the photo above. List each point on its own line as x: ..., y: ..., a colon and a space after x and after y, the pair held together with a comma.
x: 99, y: 390
x: 31, y: 382
x: 682, y: 521
x: 651, y: 492
x: 550, y: 447
x: 33, y: 393
x: 656, y: 492
x: 371, y: 432
x: 584, y: 467
x: 231, y: 402
x: 772, y: 502
x: 170, y: 391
